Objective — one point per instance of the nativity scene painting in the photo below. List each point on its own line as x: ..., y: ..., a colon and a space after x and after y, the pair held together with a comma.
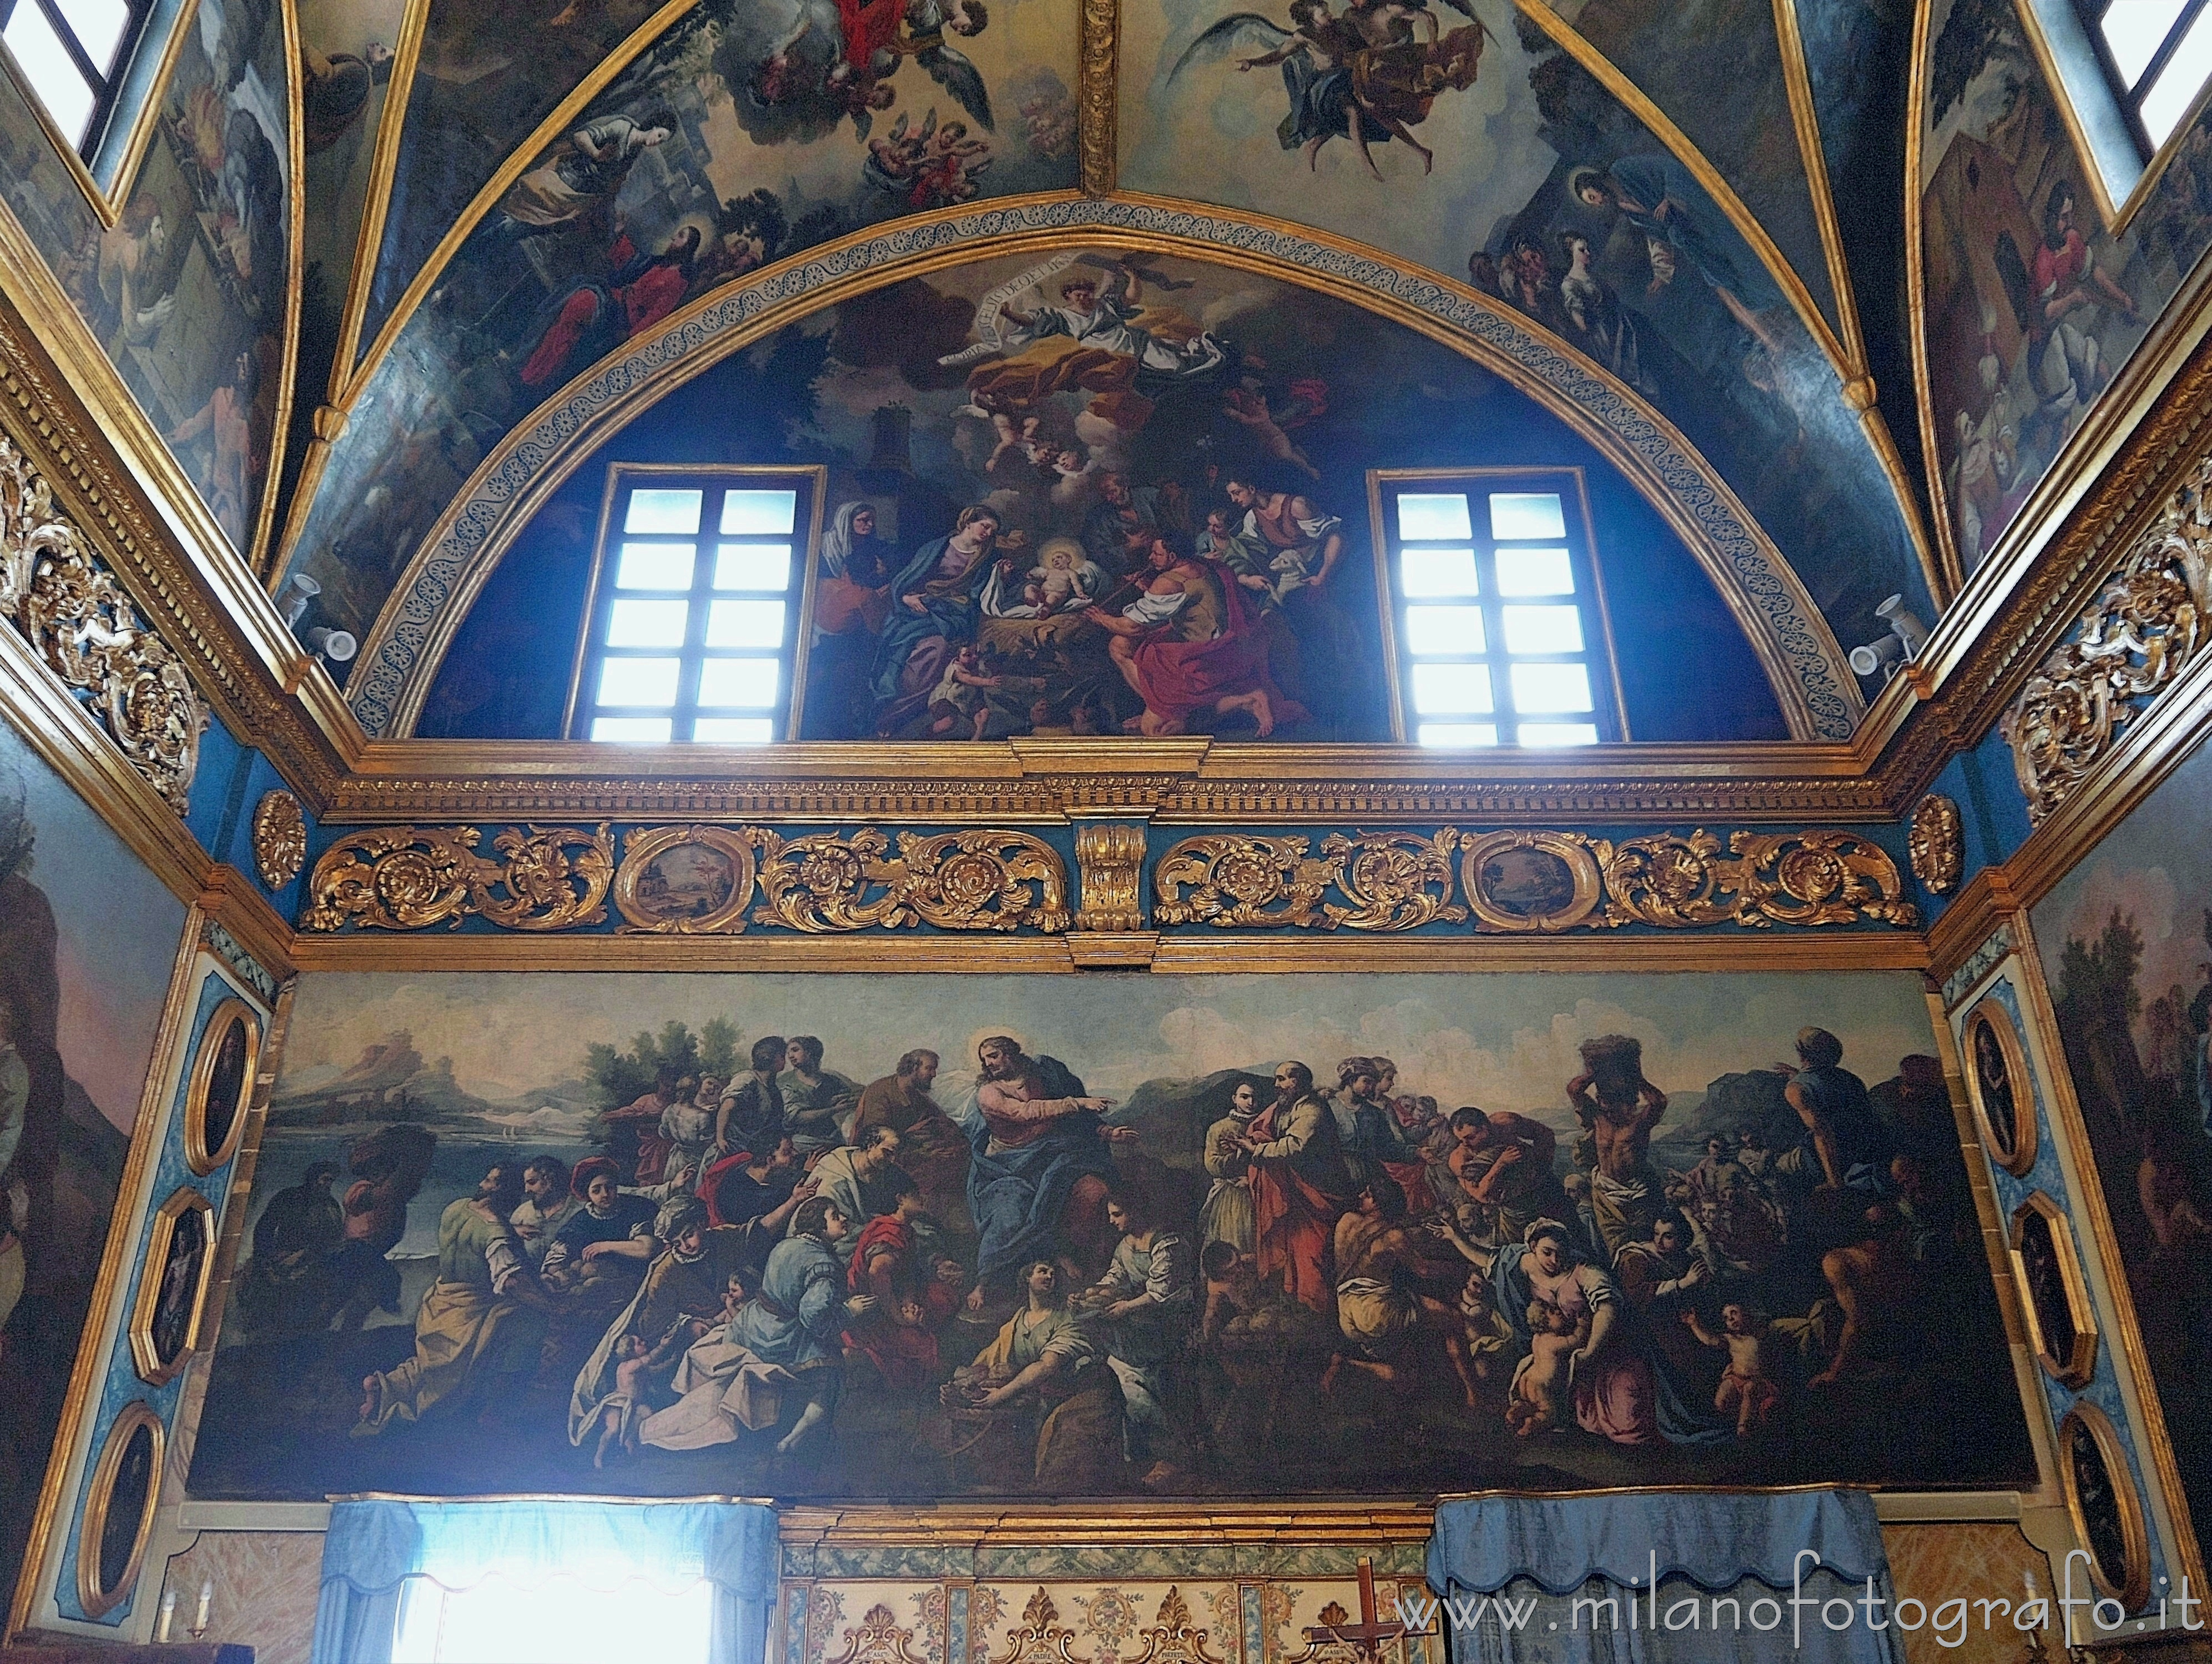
x: 1001, y: 1236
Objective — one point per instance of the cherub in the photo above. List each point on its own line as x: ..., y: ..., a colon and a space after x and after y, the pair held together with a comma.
x: 959, y: 698
x: 950, y: 164
x: 1247, y: 405
x: 1540, y: 1383
x: 1749, y: 1390
x: 625, y: 1412
x: 1489, y: 1330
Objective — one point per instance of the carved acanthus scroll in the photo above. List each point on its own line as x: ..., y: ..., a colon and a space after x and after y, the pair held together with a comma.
x: 1391, y: 881
x: 959, y: 880
x: 401, y: 878
x: 84, y: 626
x: 1808, y: 878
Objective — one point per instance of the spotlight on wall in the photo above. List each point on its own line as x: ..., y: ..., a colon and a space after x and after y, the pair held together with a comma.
x: 1907, y: 624
x: 297, y: 596
x: 1883, y: 654
x: 337, y: 646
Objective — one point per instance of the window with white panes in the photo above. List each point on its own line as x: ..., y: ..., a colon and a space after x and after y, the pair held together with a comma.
x: 1493, y: 589
x: 2157, y: 56
x: 71, y: 55
x: 691, y: 636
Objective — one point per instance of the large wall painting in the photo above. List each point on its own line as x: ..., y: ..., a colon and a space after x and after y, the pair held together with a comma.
x: 1546, y: 194
x: 189, y: 291
x: 831, y: 1237
x: 1092, y: 402
x: 2030, y: 304
x: 740, y: 136
x: 88, y: 938
x: 2125, y: 939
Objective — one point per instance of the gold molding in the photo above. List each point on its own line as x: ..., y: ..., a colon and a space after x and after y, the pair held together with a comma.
x: 1133, y: 1521
x: 100, y: 1497
x: 1109, y: 862
x: 2075, y: 1368
x: 2015, y: 1154
x: 1797, y: 79
x: 643, y: 848
x: 577, y: 446
x: 1916, y: 298
x: 200, y: 1157
x: 1570, y: 849
x: 145, y: 1355
x: 260, y: 537
x: 2086, y: 1419
x: 1098, y: 106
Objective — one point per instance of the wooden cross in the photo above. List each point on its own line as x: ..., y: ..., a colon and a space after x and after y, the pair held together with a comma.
x: 1368, y: 1635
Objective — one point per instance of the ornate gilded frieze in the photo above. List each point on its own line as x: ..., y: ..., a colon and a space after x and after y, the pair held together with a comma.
x: 1109, y: 861
x: 84, y: 628
x: 1388, y: 880
x: 280, y: 838
x: 2129, y: 644
x: 1937, y: 845
x: 1810, y: 878
x: 960, y: 881
x: 400, y: 878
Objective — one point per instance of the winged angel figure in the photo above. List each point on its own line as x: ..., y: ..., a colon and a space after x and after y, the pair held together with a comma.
x: 797, y: 68
x: 1369, y: 76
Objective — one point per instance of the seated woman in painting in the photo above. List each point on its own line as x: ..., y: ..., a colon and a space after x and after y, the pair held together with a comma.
x: 934, y: 610
x: 601, y: 1251
x: 1047, y: 1357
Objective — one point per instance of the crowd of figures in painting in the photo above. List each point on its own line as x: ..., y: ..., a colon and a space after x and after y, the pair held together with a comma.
x: 761, y: 1264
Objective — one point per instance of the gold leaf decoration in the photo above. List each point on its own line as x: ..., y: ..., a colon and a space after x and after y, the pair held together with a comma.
x: 878, y: 1639
x: 280, y: 838
x: 1174, y: 1637
x: 1040, y: 1637
x: 960, y: 881
x: 685, y: 880
x: 84, y: 627
x: 2131, y: 643
x: 1808, y: 878
x: 1109, y: 861
x: 402, y: 878
x: 1391, y: 881
x: 1937, y: 844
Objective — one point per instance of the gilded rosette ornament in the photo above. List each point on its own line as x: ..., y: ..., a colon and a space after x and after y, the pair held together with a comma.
x: 2129, y: 643
x: 84, y: 628
x: 1389, y: 881
x: 1393, y: 880
x: 1807, y: 879
x: 962, y: 880
x: 1937, y: 844
x: 280, y: 838
x: 401, y: 878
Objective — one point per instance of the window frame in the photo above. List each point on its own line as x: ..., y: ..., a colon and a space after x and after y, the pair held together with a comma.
x: 1609, y: 707
x: 116, y: 142
x: 108, y: 88
x: 2127, y: 99
x: 811, y: 482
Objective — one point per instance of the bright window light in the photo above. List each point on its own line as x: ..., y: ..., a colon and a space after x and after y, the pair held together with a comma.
x: 1535, y: 572
x: 1459, y: 735
x: 1425, y: 572
x: 2134, y: 30
x: 655, y: 566
x: 634, y: 730
x: 100, y: 25
x: 753, y: 566
x: 753, y: 513
x: 1444, y: 629
x: 745, y: 624
x: 647, y: 622
x: 733, y: 730
x: 1515, y: 516
x: 2180, y: 81
x: 1433, y: 518
x: 675, y: 512
x: 45, y: 62
x: 1543, y: 629
x: 1442, y: 689
x: 1543, y: 734
x: 747, y: 683
x: 554, y: 1621
x: 639, y: 681
x: 1549, y: 687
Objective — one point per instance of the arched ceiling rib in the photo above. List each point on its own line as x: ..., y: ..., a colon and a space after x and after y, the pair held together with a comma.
x: 467, y: 284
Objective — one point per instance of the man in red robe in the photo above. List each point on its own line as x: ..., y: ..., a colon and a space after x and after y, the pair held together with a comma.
x: 1300, y: 1188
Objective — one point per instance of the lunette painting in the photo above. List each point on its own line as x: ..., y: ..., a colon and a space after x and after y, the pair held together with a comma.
x: 995, y: 1235
x: 87, y: 941
x: 2125, y: 938
x: 1092, y: 401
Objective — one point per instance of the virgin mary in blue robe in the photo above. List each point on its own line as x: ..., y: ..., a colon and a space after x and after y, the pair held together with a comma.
x: 914, y: 646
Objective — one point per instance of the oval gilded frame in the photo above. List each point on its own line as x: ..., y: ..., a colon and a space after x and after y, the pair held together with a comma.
x: 145, y: 1355
x: 2133, y: 1590
x: 642, y: 849
x: 96, y: 1601
x: 2016, y: 1155
x: 1566, y: 846
x: 2075, y: 1368
x: 200, y: 1159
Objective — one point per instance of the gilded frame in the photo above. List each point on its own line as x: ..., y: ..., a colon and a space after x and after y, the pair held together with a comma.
x: 97, y: 1602
x: 2080, y: 1362
x: 2015, y: 1154
x: 817, y: 475
x: 199, y: 1156
x: 641, y: 849
x: 1566, y: 846
x: 145, y: 1353
x: 2135, y: 1530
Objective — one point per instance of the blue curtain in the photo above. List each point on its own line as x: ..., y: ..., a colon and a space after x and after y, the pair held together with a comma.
x: 374, y: 1547
x: 1571, y: 1580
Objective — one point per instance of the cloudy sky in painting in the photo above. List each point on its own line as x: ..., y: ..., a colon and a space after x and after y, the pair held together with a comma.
x: 1506, y: 1041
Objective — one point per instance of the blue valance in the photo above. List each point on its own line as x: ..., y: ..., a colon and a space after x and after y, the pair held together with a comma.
x: 374, y: 1545
x: 1715, y: 1539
